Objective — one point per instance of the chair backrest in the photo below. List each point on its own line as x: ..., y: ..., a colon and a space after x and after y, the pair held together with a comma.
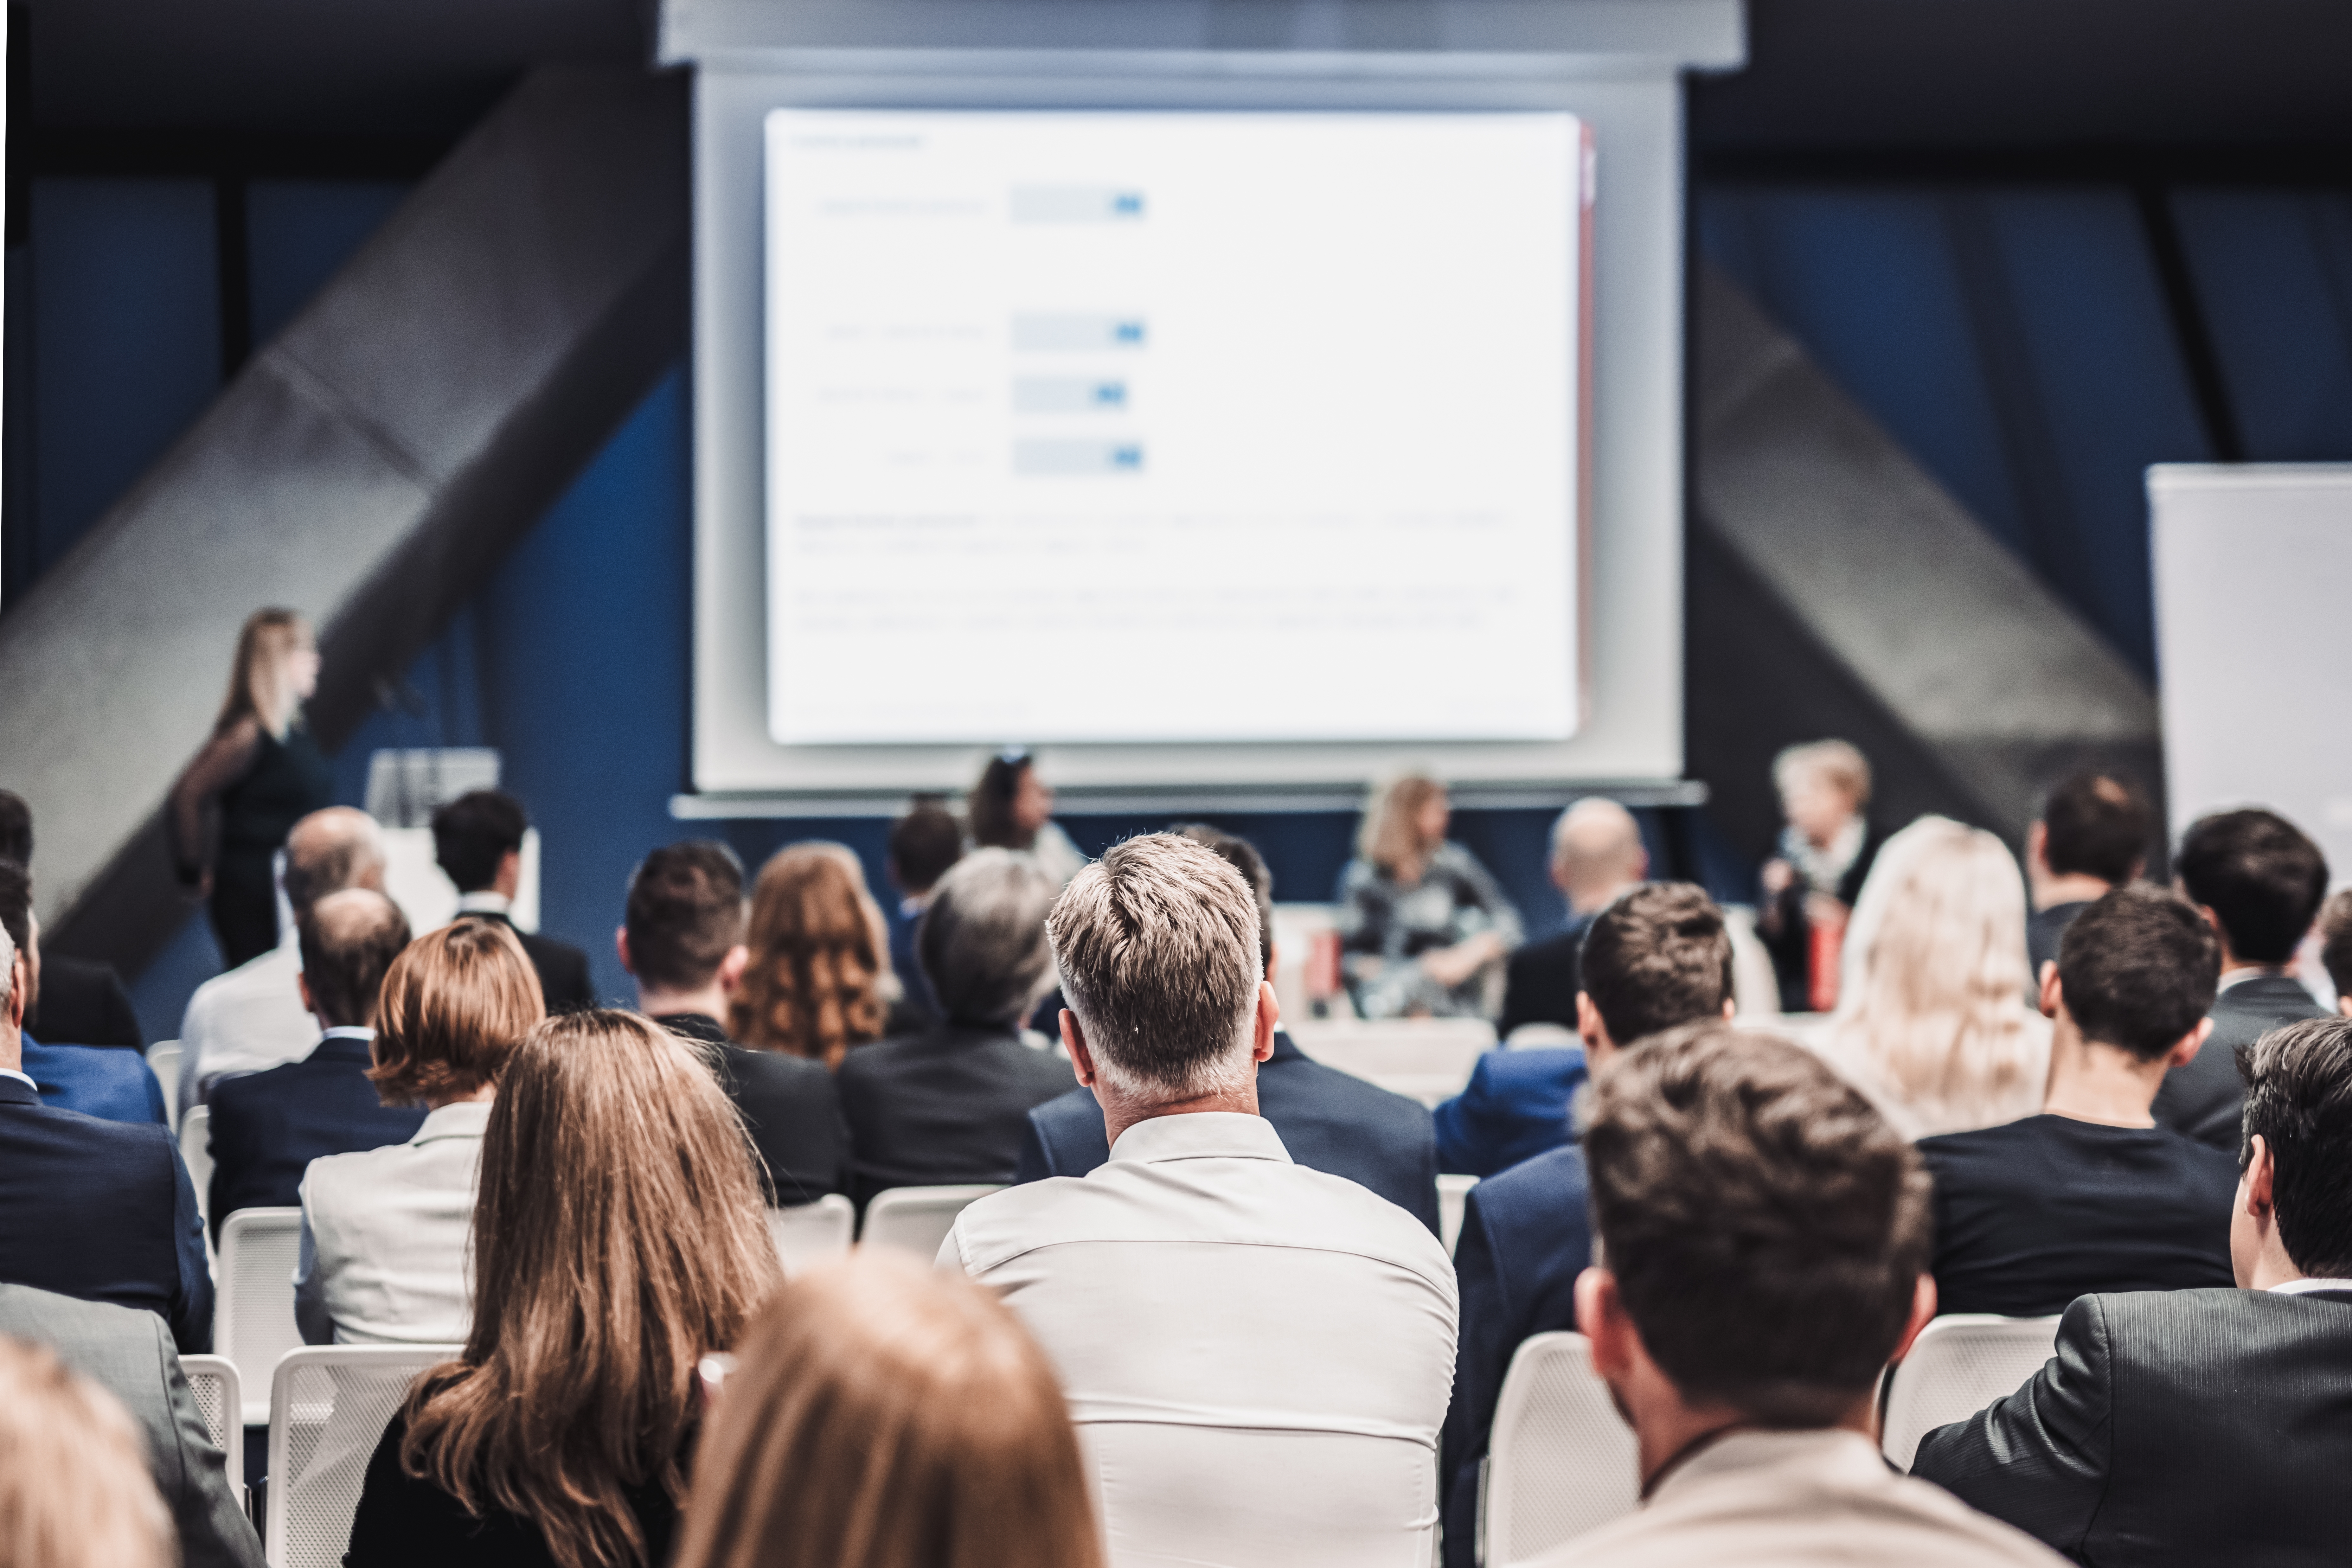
x: 1428, y: 1059
x: 808, y: 1234
x: 917, y: 1219
x: 1453, y: 1199
x: 1958, y: 1365
x: 220, y: 1400
x: 163, y: 1061
x: 329, y: 1406
x: 196, y: 1153
x: 253, y: 1324
x: 1562, y: 1461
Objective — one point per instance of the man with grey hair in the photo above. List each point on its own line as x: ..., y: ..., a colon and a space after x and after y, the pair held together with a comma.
x: 1257, y: 1354
x: 948, y: 1106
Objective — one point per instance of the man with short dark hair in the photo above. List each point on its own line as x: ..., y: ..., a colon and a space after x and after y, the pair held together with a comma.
x: 1764, y: 1235
x: 2091, y: 836
x: 2188, y: 1428
x: 2092, y: 1195
x: 2259, y: 881
x: 82, y: 1003
x: 2336, y: 948
x: 682, y: 940
x: 477, y: 842
x: 923, y: 844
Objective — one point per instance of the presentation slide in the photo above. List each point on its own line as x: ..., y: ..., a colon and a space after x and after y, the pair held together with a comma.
x: 1092, y: 427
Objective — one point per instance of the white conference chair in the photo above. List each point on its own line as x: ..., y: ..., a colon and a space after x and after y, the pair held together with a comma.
x: 917, y: 1219
x: 1428, y: 1059
x: 163, y: 1061
x: 329, y: 1406
x: 213, y: 1379
x: 196, y: 1153
x: 1452, y: 1200
x: 808, y: 1234
x: 1959, y: 1364
x: 254, y: 1324
x: 1562, y: 1460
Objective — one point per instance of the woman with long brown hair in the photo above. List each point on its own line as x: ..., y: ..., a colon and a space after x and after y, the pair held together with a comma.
x: 819, y: 978
x: 883, y: 1415
x: 619, y: 1237
x: 1011, y: 806
x: 1421, y: 922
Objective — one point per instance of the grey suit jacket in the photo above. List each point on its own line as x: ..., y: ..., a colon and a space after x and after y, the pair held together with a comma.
x: 130, y: 1355
x: 2206, y: 1099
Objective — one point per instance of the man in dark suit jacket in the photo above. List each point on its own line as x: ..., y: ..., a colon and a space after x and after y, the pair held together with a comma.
x: 128, y: 1354
x: 2203, y: 1427
x: 2259, y: 881
x: 682, y: 940
x: 478, y: 841
x: 76, y: 1002
x: 1596, y: 854
x: 267, y: 1127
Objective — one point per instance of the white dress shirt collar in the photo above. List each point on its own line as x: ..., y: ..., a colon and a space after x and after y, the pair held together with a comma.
x: 2303, y: 1287
x: 1202, y: 1135
x: 1830, y: 1449
x: 464, y: 1118
x: 26, y: 1077
x: 348, y: 1032
x: 485, y: 902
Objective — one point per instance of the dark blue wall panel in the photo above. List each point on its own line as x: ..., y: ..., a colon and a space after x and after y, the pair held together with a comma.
x: 300, y: 232
x: 2274, y: 269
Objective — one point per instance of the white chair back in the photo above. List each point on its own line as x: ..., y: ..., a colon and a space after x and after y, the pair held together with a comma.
x: 1958, y: 1365
x: 1452, y: 1199
x: 196, y: 1153
x: 329, y: 1406
x: 253, y: 1324
x: 808, y: 1234
x: 1562, y: 1460
x: 917, y: 1219
x: 1428, y: 1059
x: 213, y: 1379
x: 163, y: 1061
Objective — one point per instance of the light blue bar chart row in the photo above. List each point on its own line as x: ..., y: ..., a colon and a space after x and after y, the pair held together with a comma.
x: 1079, y: 457
x: 1090, y: 333
x: 1076, y: 204
x: 1069, y: 394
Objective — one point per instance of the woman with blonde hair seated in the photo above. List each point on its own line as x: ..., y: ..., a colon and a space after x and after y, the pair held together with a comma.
x: 883, y: 1415
x: 1421, y: 922
x: 75, y: 1492
x: 619, y: 1239
x: 819, y: 978
x: 385, y: 1230
x: 1931, y: 1019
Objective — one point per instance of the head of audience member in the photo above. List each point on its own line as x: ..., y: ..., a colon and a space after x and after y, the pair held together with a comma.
x: 1657, y: 958
x: 2294, y: 1213
x: 1242, y: 857
x: 2258, y: 879
x: 883, y: 1415
x: 983, y: 942
x: 15, y: 828
x: 1823, y: 787
x: 451, y: 1008
x: 595, y: 1295
x: 1405, y: 820
x: 349, y: 940
x: 1168, y: 1011
x: 1009, y: 803
x: 23, y: 931
x: 815, y: 982
x: 276, y: 671
x: 2093, y: 835
x: 2335, y: 947
x: 681, y: 935
x: 1762, y: 1238
x: 1931, y: 1002
x: 329, y: 851
x: 2129, y: 992
x: 1596, y: 852
x: 75, y: 1492
x: 923, y: 844
x: 477, y: 842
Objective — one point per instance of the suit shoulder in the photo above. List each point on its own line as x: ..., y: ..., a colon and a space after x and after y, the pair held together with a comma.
x: 1553, y: 1173
x: 777, y: 1069
x: 1078, y: 1107
x: 1358, y: 1099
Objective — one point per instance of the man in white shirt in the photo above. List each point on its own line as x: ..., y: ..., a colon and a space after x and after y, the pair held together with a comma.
x: 1257, y: 1355
x: 253, y: 1018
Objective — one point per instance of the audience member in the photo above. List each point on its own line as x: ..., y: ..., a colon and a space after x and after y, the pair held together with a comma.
x: 2093, y: 835
x: 682, y: 941
x: 2091, y: 1195
x: 1596, y: 854
x: 2199, y: 1427
x: 267, y: 1127
x: 1933, y: 1022
x: 818, y: 978
x: 1328, y: 1120
x: 82, y: 1003
x: 254, y: 1018
x: 887, y: 1416
x: 923, y: 844
x: 1658, y: 958
x: 1817, y: 870
x: 1421, y: 922
x: 385, y: 1230
x: 951, y: 1104
x: 1258, y: 1353
x: 2336, y: 948
x: 1764, y: 1238
x: 74, y: 1490
x: 129, y: 1353
x: 477, y: 842
x: 2259, y: 881
x: 618, y: 1239
x: 111, y: 1085
x: 1011, y: 807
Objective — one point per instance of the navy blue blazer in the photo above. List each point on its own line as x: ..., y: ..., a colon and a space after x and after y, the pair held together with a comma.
x: 104, y: 1082
x: 1328, y: 1120
x: 102, y: 1211
x: 1515, y: 1108
x: 1525, y: 1236
x: 268, y: 1127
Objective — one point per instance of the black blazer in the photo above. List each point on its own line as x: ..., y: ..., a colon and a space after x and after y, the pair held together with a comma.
x: 268, y: 1127
x: 564, y: 980
x: 788, y: 1105
x: 2205, y: 1099
x: 2186, y: 1427
x: 1541, y: 981
x: 83, y: 1003
x: 103, y: 1211
x: 942, y: 1107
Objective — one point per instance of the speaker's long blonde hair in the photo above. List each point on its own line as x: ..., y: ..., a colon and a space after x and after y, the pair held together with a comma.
x: 259, y: 686
x: 1389, y: 834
